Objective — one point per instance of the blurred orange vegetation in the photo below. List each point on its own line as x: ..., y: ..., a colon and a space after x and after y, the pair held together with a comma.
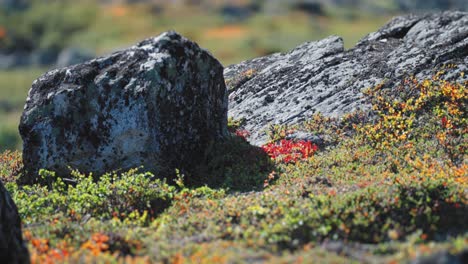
x: 42, y: 252
x: 226, y: 32
x: 97, y: 244
x: 461, y: 174
x: 432, y: 169
x: 119, y: 10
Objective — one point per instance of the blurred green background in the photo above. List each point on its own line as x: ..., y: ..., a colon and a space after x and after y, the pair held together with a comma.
x: 37, y: 35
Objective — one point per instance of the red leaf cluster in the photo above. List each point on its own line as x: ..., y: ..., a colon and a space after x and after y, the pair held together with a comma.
x: 444, y: 122
x: 289, y: 151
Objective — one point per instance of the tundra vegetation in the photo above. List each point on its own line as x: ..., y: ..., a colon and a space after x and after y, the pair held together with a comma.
x: 389, y: 187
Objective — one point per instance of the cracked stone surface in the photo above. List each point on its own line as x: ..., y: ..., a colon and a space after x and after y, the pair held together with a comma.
x: 323, y: 77
x: 157, y: 104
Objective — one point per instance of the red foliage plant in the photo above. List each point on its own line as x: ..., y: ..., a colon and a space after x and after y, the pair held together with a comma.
x: 289, y: 151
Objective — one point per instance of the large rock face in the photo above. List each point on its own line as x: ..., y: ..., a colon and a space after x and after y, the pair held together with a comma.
x: 324, y: 77
x: 157, y: 104
x: 12, y: 247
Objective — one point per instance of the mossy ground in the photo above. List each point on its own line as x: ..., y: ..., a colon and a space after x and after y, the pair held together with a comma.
x: 387, y: 187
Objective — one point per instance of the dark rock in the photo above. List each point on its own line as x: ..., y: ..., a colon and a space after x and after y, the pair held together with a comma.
x: 156, y: 104
x: 12, y: 246
x: 323, y: 77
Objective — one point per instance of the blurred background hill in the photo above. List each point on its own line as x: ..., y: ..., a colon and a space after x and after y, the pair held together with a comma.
x: 37, y: 35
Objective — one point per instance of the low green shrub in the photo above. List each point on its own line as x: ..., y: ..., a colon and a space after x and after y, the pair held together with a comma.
x: 111, y: 196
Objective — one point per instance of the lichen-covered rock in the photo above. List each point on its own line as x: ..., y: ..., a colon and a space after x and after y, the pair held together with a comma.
x: 12, y: 247
x: 157, y: 104
x: 324, y: 77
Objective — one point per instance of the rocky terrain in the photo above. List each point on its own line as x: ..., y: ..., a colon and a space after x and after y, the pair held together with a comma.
x: 323, y: 77
x: 391, y: 189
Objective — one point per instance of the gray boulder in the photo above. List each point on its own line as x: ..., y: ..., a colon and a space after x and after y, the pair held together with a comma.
x: 12, y: 246
x: 157, y: 104
x: 323, y: 77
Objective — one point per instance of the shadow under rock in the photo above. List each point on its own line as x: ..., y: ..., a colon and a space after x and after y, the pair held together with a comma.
x: 232, y: 164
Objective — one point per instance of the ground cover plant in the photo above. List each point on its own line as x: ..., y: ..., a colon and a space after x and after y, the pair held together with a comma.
x: 387, y: 186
